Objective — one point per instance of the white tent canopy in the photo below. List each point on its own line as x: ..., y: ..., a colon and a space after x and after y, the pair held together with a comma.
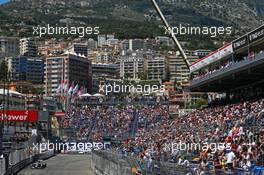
x: 5, y: 92
x: 98, y: 95
x: 86, y: 95
x: 89, y: 95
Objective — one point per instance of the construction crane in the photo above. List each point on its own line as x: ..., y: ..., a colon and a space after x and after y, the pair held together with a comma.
x: 177, y: 43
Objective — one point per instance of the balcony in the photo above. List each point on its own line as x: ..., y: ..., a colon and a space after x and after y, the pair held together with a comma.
x: 248, y: 65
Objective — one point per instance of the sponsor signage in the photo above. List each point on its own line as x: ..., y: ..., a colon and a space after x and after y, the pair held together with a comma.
x: 253, y: 36
x: 19, y: 115
x: 256, y: 34
x: 212, y: 57
x: 241, y: 42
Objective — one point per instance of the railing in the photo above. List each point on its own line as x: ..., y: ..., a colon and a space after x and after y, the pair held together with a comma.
x: 134, y: 124
x: 19, y: 166
x: 231, y: 68
x: 150, y: 102
x: 89, y: 136
x: 110, y: 163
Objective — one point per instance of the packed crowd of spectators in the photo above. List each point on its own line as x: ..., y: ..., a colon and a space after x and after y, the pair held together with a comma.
x: 79, y: 119
x: 99, y: 122
x: 237, y: 128
x: 112, y: 122
x: 20, y: 137
x: 123, y: 99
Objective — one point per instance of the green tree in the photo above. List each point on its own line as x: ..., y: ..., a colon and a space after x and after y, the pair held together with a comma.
x: 38, y: 90
x: 142, y: 76
x: 127, y: 75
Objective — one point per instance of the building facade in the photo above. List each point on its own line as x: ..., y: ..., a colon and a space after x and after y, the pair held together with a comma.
x: 131, y: 65
x: 9, y: 46
x: 51, y: 46
x: 23, y: 68
x: 125, y: 45
x: 28, y: 47
x: 178, y: 73
x: 155, y: 67
x: 136, y: 44
x: 105, y: 54
x: 101, y: 40
x: 79, y: 49
x: 92, y: 44
x: 103, y: 73
x: 67, y: 68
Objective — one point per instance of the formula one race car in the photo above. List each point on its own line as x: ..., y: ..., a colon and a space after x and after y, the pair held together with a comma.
x: 40, y: 164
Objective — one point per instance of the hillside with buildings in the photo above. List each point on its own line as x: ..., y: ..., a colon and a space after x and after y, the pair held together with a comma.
x: 130, y: 44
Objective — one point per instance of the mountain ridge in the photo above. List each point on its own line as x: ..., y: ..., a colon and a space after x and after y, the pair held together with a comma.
x: 133, y: 18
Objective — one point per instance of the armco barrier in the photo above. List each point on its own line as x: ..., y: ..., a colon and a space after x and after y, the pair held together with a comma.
x: 20, y: 165
x: 14, y: 169
x: 14, y: 157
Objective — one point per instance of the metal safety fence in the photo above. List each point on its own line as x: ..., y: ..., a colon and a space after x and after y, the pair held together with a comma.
x: 110, y: 163
x: 105, y: 163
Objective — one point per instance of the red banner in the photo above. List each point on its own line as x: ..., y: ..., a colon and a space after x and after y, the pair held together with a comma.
x: 19, y: 115
x: 59, y: 114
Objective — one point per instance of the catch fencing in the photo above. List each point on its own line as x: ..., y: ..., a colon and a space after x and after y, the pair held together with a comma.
x: 105, y: 163
x: 110, y: 163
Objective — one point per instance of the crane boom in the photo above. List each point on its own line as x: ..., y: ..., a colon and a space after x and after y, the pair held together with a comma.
x: 177, y: 43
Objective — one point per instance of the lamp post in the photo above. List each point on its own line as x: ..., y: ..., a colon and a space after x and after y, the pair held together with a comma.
x: 3, y: 119
x: 7, y: 97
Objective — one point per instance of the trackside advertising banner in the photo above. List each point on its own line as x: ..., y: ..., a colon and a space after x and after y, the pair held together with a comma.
x: 256, y: 34
x: 19, y: 115
x: 241, y: 42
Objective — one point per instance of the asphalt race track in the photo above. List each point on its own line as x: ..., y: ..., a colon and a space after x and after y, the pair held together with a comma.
x: 66, y: 164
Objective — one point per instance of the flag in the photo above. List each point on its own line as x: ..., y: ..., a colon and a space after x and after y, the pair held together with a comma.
x: 209, y: 99
x: 60, y: 88
x: 80, y: 92
x: 58, y: 91
x: 71, y: 89
x: 65, y: 87
x: 75, y: 90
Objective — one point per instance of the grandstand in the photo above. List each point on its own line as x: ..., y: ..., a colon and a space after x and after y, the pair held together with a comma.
x: 146, y: 131
x: 237, y: 68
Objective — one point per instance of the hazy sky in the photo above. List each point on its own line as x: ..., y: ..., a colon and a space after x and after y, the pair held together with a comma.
x: 3, y: 1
